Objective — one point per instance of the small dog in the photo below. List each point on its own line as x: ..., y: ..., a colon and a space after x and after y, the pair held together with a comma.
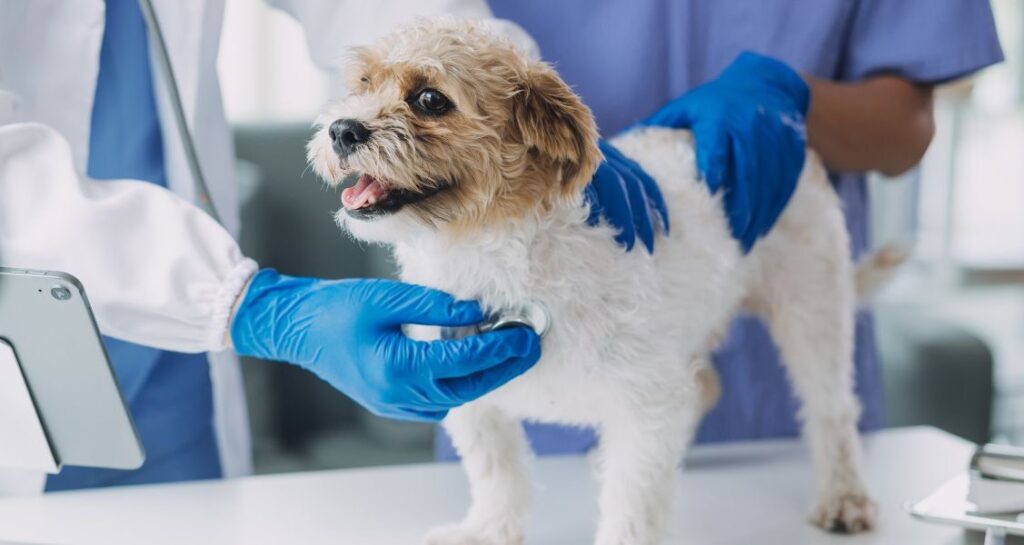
x: 472, y: 160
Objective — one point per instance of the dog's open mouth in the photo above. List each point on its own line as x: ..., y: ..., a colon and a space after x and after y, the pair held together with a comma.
x: 371, y: 197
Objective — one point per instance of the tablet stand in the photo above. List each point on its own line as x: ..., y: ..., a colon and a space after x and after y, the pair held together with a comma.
x: 23, y: 441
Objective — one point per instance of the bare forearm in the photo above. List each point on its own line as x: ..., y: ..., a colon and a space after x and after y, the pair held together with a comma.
x: 884, y: 123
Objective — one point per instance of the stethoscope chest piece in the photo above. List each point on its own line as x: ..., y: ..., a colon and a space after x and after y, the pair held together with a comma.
x: 532, y: 314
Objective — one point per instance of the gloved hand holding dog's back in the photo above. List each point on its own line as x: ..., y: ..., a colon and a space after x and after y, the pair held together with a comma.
x: 749, y: 129
x: 348, y: 332
x: 627, y: 198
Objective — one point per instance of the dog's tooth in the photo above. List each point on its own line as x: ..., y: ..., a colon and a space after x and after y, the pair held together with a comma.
x: 371, y: 199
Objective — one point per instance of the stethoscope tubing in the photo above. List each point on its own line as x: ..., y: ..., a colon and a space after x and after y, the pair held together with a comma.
x: 202, y: 191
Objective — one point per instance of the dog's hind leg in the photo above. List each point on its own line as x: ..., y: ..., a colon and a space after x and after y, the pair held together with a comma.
x: 815, y: 345
x: 640, y: 453
x: 494, y: 455
x: 808, y: 301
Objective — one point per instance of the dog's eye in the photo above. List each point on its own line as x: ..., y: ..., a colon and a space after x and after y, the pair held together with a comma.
x: 431, y: 101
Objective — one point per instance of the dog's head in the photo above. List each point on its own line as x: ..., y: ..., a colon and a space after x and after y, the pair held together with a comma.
x: 449, y: 128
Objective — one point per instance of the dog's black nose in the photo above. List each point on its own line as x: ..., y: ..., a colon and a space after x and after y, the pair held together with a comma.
x: 347, y: 134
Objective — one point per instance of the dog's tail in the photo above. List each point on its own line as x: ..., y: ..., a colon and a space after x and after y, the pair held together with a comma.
x: 875, y: 269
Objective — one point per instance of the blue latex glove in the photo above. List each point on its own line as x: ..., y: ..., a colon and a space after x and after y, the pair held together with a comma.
x: 624, y: 195
x: 750, y: 136
x: 348, y: 332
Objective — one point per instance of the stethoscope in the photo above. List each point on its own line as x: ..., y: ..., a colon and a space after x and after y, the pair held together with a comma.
x: 532, y: 314
x: 202, y: 191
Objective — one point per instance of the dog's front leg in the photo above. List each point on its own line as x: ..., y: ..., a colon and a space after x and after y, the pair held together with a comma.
x: 494, y: 455
x: 640, y: 454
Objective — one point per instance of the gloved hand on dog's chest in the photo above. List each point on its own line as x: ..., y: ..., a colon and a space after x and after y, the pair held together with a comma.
x: 348, y: 332
x: 750, y: 137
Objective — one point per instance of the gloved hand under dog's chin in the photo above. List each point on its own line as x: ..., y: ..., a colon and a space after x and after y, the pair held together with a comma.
x: 751, y: 140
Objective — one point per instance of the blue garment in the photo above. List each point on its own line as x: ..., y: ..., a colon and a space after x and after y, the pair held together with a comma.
x: 628, y: 58
x: 169, y: 394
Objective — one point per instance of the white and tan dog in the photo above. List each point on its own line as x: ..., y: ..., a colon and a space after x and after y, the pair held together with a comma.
x: 472, y: 160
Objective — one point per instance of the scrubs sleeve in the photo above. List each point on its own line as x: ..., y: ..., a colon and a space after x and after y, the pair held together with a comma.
x: 926, y: 41
x: 157, y: 270
x: 334, y: 26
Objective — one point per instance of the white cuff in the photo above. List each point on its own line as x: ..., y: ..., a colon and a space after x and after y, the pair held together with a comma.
x: 224, y: 302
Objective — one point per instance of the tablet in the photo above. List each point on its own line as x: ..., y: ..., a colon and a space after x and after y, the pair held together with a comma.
x: 46, y: 322
x: 949, y: 505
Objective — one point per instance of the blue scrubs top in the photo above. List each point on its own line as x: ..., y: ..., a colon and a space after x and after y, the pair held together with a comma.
x: 627, y: 58
x: 169, y: 394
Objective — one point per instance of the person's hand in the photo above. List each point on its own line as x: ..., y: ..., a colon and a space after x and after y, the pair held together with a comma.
x: 348, y: 332
x: 750, y: 137
x: 624, y: 195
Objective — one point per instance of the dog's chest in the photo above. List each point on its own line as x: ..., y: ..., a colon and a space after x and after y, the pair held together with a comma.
x: 575, y: 285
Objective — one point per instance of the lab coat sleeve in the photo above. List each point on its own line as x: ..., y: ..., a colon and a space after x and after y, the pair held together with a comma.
x: 334, y: 26
x: 157, y: 270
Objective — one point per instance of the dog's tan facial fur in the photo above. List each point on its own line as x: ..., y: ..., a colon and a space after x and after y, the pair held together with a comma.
x: 515, y: 141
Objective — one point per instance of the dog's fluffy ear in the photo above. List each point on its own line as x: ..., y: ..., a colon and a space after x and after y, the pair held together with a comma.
x: 557, y: 127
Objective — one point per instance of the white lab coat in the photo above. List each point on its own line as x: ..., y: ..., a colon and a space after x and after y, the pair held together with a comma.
x: 157, y: 270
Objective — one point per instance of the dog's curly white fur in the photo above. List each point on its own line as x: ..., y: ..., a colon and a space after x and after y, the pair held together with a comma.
x: 627, y: 352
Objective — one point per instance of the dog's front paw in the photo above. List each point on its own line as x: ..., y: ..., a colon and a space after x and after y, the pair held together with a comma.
x: 845, y: 513
x: 459, y: 534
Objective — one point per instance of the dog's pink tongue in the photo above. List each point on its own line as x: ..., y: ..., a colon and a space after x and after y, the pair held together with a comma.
x: 364, y: 193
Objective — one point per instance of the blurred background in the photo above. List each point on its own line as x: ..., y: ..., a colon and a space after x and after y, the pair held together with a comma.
x: 950, y: 326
